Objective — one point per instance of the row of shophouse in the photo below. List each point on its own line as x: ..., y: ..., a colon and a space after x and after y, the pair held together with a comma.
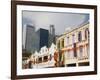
x: 43, y: 58
x: 74, y: 46
x: 71, y: 49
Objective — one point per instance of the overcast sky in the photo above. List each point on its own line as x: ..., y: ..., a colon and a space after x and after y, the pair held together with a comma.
x: 61, y: 21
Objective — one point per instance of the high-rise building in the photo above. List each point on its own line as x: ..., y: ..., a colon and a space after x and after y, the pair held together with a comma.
x: 28, y: 32
x: 43, y: 38
x: 51, y: 35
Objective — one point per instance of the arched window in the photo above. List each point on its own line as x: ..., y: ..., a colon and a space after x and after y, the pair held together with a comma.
x: 73, y: 38
x: 68, y: 40
x: 86, y: 33
x: 79, y: 36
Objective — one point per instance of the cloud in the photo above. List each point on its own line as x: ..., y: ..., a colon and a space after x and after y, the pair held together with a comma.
x: 60, y: 20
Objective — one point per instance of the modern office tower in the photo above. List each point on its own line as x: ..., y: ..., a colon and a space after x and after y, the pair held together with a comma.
x: 43, y: 38
x: 28, y: 33
x: 51, y: 35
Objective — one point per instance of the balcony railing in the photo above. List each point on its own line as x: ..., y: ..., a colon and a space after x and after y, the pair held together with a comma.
x: 77, y: 59
x: 83, y: 58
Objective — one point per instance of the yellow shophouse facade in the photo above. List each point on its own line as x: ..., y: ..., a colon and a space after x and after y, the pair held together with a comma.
x: 74, y: 45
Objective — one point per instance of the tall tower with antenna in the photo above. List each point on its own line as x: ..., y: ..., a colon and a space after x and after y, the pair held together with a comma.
x: 51, y: 35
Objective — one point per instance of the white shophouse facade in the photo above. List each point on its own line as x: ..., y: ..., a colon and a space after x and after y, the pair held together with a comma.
x: 43, y: 58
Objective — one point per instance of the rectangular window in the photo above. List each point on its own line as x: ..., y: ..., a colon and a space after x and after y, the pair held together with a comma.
x: 45, y: 58
x: 81, y: 51
x: 71, y: 54
x: 62, y: 43
x: 68, y: 54
x: 40, y: 60
x: 87, y: 50
x: 58, y: 45
x: 79, y: 36
x: 75, y: 51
